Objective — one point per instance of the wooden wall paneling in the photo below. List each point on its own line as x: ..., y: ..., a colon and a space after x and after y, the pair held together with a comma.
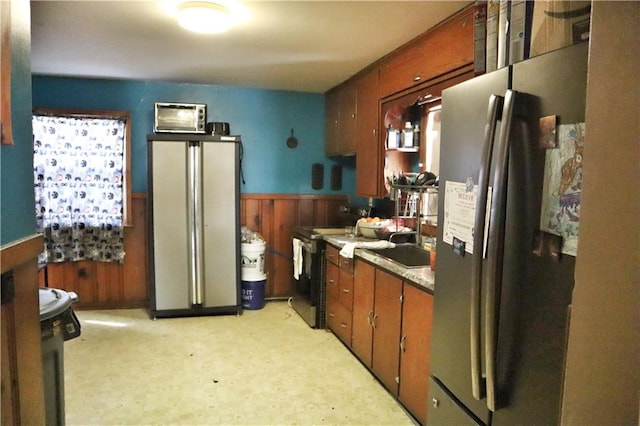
x: 127, y: 285
x: 86, y: 281
x: 320, y: 213
x: 285, y: 212
x: 109, y: 280
x: 110, y: 285
x: 333, y: 211
x: 134, y: 269
x: 265, y: 228
x: 56, y: 277
x: 275, y: 217
x: 250, y: 213
x: 306, y: 214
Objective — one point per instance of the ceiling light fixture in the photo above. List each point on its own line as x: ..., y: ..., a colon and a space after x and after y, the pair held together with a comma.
x: 205, y: 17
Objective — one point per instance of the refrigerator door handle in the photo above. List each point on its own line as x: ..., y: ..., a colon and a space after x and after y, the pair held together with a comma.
x: 194, y: 202
x: 493, y: 274
x: 494, y: 111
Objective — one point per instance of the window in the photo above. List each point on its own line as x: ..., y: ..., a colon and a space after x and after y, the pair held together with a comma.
x: 82, y: 184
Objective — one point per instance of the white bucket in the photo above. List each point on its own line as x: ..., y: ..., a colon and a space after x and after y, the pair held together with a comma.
x: 253, y: 261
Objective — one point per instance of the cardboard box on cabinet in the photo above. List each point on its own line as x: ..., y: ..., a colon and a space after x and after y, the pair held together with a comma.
x: 557, y: 24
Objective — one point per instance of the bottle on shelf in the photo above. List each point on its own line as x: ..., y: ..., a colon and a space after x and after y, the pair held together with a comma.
x: 392, y: 137
x: 416, y: 136
x: 407, y: 135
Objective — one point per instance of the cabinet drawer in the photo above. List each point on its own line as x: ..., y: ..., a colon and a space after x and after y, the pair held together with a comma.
x: 333, y: 255
x: 346, y: 289
x: 339, y: 320
x: 333, y: 280
x: 346, y: 264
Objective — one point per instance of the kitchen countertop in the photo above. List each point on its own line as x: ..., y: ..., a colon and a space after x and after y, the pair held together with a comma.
x: 422, y: 277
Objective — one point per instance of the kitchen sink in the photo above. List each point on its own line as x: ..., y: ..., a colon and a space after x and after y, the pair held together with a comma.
x: 407, y: 255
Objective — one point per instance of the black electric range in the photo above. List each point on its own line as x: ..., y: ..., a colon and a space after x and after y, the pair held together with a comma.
x: 309, y: 300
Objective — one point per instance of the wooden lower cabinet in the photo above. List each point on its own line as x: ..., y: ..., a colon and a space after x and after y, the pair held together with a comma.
x: 387, y: 317
x: 339, y: 280
x: 339, y: 320
x: 415, y: 346
x: 363, y: 294
x: 391, y: 333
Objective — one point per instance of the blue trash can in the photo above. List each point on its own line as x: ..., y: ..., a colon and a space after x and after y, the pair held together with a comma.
x: 253, y: 294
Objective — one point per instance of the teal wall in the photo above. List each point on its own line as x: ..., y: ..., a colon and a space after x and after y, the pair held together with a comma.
x: 264, y: 119
x: 17, y: 206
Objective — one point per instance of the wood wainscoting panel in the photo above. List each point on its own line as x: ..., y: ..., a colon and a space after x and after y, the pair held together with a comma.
x: 275, y: 216
x: 101, y: 285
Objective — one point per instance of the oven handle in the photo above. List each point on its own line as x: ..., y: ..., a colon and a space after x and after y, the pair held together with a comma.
x: 306, y: 244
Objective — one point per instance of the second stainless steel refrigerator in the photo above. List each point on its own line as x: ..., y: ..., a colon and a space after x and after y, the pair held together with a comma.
x: 502, y: 304
x: 194, y: 231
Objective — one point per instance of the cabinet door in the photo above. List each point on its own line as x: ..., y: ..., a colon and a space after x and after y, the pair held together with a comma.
x: 363, y: 292
x: 348, y: 118
x: 417, y: 313
x: 332, y: 111
x: 445, y: 48
x: 368, y: 178
x: 386, y: 329
x: 341, y: 118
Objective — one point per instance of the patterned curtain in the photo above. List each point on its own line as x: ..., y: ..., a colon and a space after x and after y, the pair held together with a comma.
x: 77, y: 167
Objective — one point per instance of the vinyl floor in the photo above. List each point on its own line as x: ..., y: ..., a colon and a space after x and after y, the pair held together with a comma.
x: 264, y: 367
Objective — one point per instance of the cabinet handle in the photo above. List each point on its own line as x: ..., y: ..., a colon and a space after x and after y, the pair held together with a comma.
x: 403, y: 347
x: 417, y: 78
x: 331, y: 314
x: 370, y: 318
x: 346, y: 262
x: 345, y: 290
x: 331, y: 281
x: 343, y: 325
x: 373, y: 320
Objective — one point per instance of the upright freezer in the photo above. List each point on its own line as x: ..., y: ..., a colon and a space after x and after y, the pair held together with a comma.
x: 194, y: 231
x: 506, y: 258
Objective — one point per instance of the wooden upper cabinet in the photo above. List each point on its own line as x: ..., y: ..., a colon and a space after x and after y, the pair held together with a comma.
x: 367, y: 147
x: 340, y: 121
x: 348, y: 117
x: 438, y: 51
x: 332, y: 118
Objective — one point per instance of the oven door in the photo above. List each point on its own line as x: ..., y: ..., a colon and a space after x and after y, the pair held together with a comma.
x: 308, y: 300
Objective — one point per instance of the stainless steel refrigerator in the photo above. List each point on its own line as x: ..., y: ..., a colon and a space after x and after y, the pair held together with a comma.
x: 503, y: 285
x: 194, y: 231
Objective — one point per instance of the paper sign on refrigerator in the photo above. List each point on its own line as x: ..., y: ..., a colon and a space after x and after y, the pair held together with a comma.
x: 460, y: 201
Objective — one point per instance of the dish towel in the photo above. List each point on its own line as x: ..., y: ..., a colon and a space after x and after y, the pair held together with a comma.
x: 347, y: 250
x: 297, y: 258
